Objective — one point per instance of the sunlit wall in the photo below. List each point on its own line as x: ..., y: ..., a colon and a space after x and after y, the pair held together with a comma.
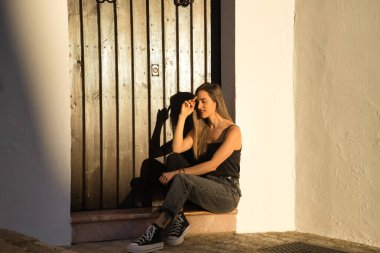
x: 264, y: 111
x: 35, y: 119
x: 337, y: 94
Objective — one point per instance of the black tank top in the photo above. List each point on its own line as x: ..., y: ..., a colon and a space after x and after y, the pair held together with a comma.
x: 229, y: 167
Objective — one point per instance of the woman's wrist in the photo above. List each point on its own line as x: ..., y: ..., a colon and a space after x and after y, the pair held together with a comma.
x: 181, y: 171
x: 182, y: 116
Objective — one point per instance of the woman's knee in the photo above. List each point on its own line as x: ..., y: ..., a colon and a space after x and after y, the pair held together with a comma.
x: 175, y: 161
x: 173, y: 157
x: 179, y: 176
x: 183, y: 179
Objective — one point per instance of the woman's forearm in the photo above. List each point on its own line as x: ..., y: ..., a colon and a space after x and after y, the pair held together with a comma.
x: 199, y: 169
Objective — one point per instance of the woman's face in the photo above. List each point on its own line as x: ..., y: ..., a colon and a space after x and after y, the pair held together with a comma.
x: 206, y: 106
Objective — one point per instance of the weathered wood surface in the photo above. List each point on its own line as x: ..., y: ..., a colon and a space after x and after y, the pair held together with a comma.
x: 125, y: 98
x: 184, y: 49
x: 141, y: 86
x: 199, y: 46
x: 108, y: 106
x: 92, y: 119
x: 116, y: 96
x: 170, y: 58
x: 77, y: 146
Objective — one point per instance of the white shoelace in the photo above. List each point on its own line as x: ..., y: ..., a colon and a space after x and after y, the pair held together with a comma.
x: 148, y: 235
x: 177, y: 224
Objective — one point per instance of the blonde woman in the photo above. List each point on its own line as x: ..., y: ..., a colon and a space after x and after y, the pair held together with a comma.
x: 212, y: 182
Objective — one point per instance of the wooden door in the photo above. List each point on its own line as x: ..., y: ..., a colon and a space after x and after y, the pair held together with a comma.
x: 126, y: 60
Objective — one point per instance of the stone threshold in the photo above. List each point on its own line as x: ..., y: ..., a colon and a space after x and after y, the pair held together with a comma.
x: 106, y: 225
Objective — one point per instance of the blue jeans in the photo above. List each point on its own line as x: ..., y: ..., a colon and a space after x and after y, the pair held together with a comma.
x: 214, y: 194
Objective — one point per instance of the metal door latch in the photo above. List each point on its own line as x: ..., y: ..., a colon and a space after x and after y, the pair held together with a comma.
x: 155, y: 68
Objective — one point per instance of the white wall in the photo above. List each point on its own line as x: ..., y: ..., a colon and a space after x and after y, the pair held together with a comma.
x: 264, y: 111
x: 337, y: 91
x: 35, y: 119
x: 337, y: 117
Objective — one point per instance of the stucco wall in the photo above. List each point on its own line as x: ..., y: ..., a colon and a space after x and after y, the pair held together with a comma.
x: 337, y: 96
x: 35, y: 119
x: 264, y: 111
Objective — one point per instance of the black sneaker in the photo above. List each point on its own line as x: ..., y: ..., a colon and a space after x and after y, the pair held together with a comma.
x: 150, y: 241
x: 179, y: 229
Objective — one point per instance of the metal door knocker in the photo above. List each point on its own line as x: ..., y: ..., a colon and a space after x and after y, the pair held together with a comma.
x: 102, y: 1
x: 183, y: 3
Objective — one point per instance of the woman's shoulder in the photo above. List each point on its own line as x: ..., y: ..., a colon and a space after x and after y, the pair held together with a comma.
x: 231, y: 128
x: 232, y: 132
x: 230, y: 125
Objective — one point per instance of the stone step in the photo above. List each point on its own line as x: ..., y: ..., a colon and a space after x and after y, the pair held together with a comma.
x: 106, y: 225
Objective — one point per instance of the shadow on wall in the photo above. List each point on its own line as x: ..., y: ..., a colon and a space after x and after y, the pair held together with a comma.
x: 146, y: 190
x: 29, y: 188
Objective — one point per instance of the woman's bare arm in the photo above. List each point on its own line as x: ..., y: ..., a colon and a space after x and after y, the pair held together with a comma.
x: 232, y: 142
x: 181, y: 144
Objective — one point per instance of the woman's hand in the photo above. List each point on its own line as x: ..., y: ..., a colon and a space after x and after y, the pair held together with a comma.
x: 167, y: 176
x: 188, y: 107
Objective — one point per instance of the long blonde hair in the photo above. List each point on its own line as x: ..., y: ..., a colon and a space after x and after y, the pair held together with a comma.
x: 200, y: 125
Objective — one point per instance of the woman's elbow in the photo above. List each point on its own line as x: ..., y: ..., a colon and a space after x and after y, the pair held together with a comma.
x: 213, y: 164
x: 212, y: 167
x: 176, y: 149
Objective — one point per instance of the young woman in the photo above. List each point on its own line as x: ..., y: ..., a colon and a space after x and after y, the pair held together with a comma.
x: 212, y: 183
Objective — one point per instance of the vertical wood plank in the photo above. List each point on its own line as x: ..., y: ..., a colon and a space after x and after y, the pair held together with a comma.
x: 141, y: 102
x: 109, y: 113
x: 199, y: 54
x: 124, y: 56
x: 170, y: 58
x: 184, y: 41
x: 156, y: 90
x: 208, y: 39
x: 92, y: 105
x: 76, y: 105
x: 156, y: 54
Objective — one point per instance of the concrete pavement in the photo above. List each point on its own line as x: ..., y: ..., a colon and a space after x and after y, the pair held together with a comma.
x: 211, y: 243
